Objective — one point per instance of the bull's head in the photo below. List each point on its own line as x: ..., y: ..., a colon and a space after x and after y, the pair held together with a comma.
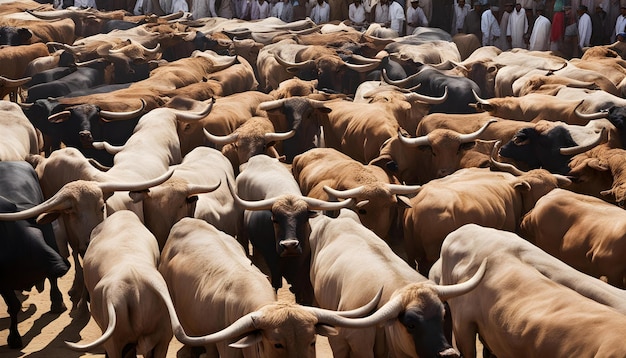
x: 290, y: 216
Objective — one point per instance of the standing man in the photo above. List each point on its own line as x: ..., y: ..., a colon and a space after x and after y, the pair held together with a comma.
x: 584, y: 27
x: 396, y: 17
x: 490, y: 27
x: 518, y: 26
x: 503, y: 43
x: 461, y: 9
x: 415, y: 17
x: 540, y: 37
x: 471, y: 25
x: 381, y: 13
x: 321, y: 12
x: 620, y: 23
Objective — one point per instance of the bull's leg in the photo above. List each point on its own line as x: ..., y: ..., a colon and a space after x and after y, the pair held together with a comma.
x: 465, y: 337
x: 14, y: 307
x: 56, y: 298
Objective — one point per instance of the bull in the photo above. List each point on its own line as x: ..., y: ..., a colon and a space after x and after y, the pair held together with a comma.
x: 276, y: 221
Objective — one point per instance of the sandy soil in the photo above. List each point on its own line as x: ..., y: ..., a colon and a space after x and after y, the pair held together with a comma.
x: 43, y: 333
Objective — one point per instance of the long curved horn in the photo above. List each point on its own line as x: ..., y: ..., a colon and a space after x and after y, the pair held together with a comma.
x: 90, y: 62
x: 111, y: 149
x: 414, y: 142
x: 59, y: 117
x: 316, y: 204
x: 362, y: 68
x: 237, y: 328
x: 480, y: 100
x: 403, y: 189
x: 274, y: 137
x: 466, y: 138
x: 355, y: 313
x: 221, y: 140
x: 388, y: 311
x: 25, y: 105
x: 504, y: 167
x: 66, y: 47
x: 108, y: 333
x: 269, y: 105
x: 110, y: 187
x: 50, y: 15
x: 583, y: 148
x: 344, y: 194
x: 55, y: 203
x: 7, y: 82
x: 143, y: 48
x: 250, y: 205
x: 285, y: 63
x: 427, y: 99
x: 400, y: 83
x: 451, y: 291
x: 363, y: 60
x: 224, y: 65
x: 589, y: 116
x: 115, y: 116
x: 194, y: 189
x: 187, y: 116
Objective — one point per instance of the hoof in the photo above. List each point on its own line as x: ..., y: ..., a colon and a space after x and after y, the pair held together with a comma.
x: 15, y: 341
x: 58, y: 308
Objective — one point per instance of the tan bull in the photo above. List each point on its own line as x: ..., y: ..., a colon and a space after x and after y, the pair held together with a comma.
x: 517, y: 310
x: 219, y: 293
x: 582, y: 231
x: 20, y: 137
x: 348, y: 263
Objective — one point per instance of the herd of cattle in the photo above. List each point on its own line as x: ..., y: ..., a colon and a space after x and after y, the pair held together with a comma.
x: 166, y: 154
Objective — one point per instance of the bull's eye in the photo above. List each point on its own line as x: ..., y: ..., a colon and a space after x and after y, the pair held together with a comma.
x: 102, y: 208
x: 313, y: 344
x: 520, y: 139
x: 362, y: 211
x: 278, y: 346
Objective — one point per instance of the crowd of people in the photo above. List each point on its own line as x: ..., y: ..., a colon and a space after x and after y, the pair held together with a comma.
x: 568, y: 26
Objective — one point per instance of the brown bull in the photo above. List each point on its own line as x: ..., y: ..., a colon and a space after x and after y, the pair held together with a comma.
x: 13, y: 63
x: 582, y: 231
x: 472, y: 195
x: 433, y: 155
x: 327, y: 174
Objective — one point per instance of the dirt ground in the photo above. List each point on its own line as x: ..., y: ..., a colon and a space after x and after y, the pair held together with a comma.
x: 43, y: 333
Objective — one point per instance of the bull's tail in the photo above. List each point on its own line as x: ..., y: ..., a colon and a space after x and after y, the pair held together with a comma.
x: 103, y: 338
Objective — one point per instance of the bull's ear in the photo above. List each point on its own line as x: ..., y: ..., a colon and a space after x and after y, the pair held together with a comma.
x: 47, y: 218
x: 313, y: 214
x: 25, y: 34
x: 324, y: 109
x: 248, y: 340
x: 191, y: 199
x: 138, y: 196
x: 325, y: 330
x: 403, y: 202
x: 598, y: 165
x: 523, y: 185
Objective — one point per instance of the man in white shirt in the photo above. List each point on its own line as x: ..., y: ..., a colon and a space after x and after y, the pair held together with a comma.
x: 461, y: 9
x: 264, y: 9
x: 540, y: 36
x: 620, y: 23
x: 321, y: 12
x: 381, y: 13
x: 283, y: 10
x: 518, y: 25
x: 415, y: 17
x: 584, y: 27
x: 396, y: 17
x: 489, y: 26
x: 356, y: 14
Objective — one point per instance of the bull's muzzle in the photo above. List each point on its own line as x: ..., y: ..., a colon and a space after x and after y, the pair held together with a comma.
x: 86, y: 139
x: 449, y: 353
x: 290, y: 248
